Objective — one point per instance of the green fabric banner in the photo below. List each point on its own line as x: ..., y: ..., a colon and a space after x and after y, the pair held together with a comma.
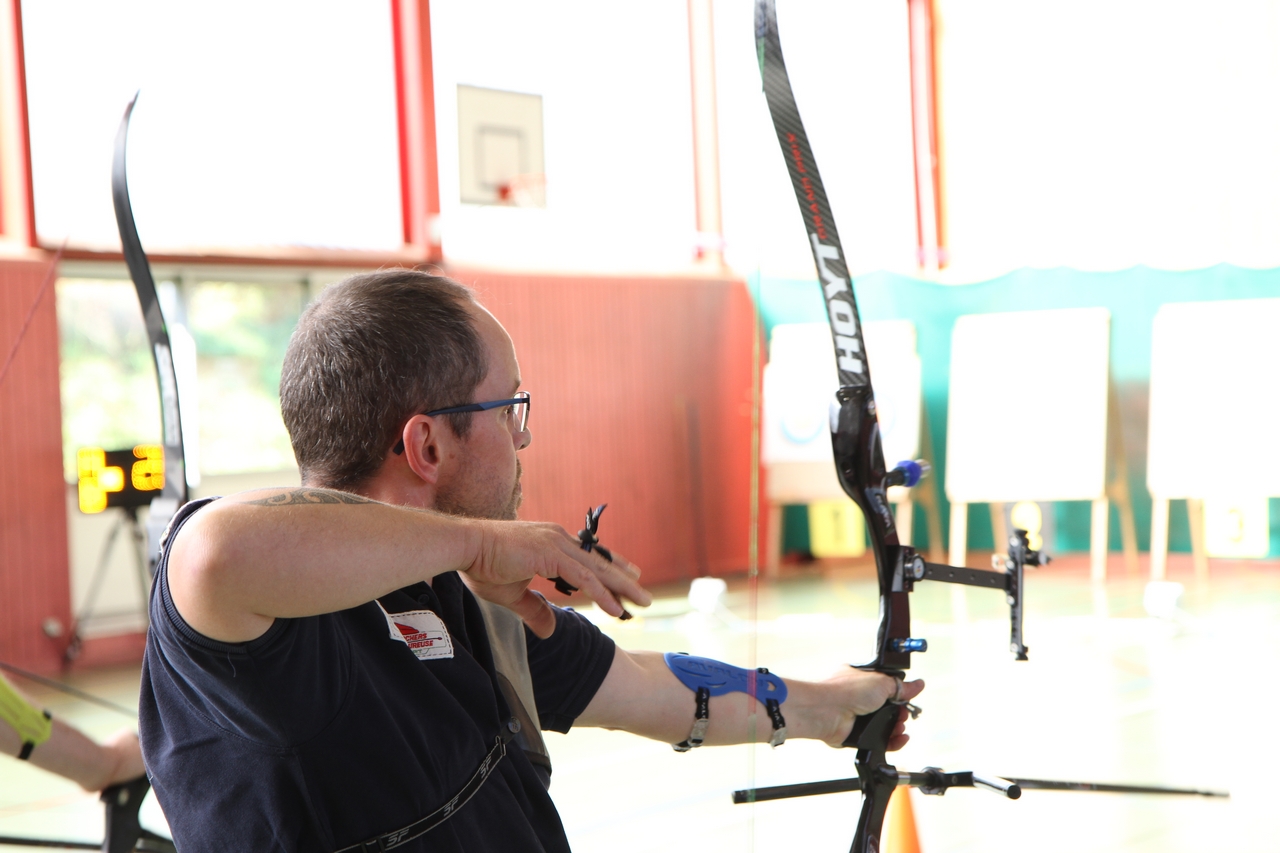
x: 1132, y: 296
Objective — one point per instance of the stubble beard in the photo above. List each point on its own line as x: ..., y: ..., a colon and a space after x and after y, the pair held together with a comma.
x: 517, y: 497
x: 448, y: 503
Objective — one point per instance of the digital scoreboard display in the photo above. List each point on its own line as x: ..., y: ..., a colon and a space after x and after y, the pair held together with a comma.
x: 119, y: 478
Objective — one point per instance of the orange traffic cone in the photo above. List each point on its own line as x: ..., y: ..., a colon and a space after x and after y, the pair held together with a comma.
x: 900, y: 824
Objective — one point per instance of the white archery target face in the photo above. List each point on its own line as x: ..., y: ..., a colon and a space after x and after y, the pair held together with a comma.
x: 799, y: 383
x: 896, y: 375
x: 1027, y: 409
x: 799, y: 386
x: 1215, y: 402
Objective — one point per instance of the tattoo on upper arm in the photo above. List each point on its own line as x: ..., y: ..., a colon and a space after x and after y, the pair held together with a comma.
x: 293, y: 497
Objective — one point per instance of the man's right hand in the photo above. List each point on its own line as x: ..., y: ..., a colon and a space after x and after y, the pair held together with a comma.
x: 509, y: 554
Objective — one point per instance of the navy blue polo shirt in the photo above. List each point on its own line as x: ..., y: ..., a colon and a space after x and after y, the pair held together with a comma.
x: 330, y: 730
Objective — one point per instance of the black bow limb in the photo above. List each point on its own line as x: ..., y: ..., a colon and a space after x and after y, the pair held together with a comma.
x: 173, y: 493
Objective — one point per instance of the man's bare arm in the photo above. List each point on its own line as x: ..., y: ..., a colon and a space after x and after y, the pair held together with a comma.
x: 641, y: 695
x: 248, y: 559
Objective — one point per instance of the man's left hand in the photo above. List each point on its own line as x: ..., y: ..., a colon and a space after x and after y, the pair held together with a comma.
x: 852, y: 692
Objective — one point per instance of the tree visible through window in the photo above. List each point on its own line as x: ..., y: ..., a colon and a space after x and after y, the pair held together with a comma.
x: 240, y: 329
x: 241, y: 332
x: 109, y: 396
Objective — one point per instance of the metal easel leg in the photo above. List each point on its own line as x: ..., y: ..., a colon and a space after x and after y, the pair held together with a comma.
x: 1199, y: 553
x: 1098, y: 540
x: 773, y: 538
x: 139, y: 536
x: 903, y: 519
x: 959, y: 533
x: 1159, y: 538
x: 999, y: 530
x: 75, y: 641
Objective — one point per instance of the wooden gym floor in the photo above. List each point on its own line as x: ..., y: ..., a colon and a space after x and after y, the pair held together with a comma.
x: 1110, y: 694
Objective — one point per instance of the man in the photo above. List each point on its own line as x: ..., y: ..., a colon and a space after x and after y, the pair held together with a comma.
x: 320, y: 675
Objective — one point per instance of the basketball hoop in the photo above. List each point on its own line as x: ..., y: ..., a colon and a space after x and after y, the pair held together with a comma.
x: 523, y: 191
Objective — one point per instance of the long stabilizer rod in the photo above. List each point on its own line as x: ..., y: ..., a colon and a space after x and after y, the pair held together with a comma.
x: 1051, y: 785
x: 934, y: 781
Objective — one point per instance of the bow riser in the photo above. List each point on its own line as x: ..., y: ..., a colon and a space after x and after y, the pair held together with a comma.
x: 855, y: 434
x: 860, y: 468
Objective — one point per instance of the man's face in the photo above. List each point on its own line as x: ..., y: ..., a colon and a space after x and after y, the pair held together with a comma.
x: 481, y: 476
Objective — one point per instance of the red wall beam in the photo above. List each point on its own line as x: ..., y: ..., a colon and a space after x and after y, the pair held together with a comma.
x: 416, y: 114
x: 706, y: 138
x: 930, y: 218
x: 17, y: 206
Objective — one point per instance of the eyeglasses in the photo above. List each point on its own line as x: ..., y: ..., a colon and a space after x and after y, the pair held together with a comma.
x: 519, y: 408
x: 519, y: 412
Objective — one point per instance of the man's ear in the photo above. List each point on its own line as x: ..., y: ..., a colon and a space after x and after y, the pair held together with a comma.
x: 422, y: 437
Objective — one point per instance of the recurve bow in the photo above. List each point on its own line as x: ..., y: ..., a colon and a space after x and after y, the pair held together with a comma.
x: 860, y: 467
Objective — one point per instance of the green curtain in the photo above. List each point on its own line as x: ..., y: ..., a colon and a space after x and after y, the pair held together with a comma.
x: 1132, y: 296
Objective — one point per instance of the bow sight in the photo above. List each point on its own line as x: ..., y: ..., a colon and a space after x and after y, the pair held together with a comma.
x: 870, y: 735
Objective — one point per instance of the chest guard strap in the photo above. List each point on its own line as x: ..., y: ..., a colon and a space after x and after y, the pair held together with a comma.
x: 423, y: 825
x: 511, y: 660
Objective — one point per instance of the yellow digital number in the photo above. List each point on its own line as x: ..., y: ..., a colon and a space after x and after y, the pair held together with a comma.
x: 96, y: 479
x: 147, y: 473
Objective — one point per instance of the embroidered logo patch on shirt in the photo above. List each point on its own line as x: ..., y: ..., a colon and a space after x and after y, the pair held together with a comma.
x: 422, y: 631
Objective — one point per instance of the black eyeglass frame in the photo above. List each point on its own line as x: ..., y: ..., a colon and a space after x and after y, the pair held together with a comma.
x: 521, y: 398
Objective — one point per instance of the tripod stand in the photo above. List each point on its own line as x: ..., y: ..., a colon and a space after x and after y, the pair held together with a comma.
x: 128, y: 518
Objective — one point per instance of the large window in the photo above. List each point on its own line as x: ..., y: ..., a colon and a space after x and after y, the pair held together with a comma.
x: 109, y: 396
x: 257, y: 125
x: 228, y: 339
x: 241, y: 331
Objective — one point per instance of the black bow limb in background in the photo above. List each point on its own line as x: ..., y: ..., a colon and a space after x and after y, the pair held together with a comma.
x: 173, y: 493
